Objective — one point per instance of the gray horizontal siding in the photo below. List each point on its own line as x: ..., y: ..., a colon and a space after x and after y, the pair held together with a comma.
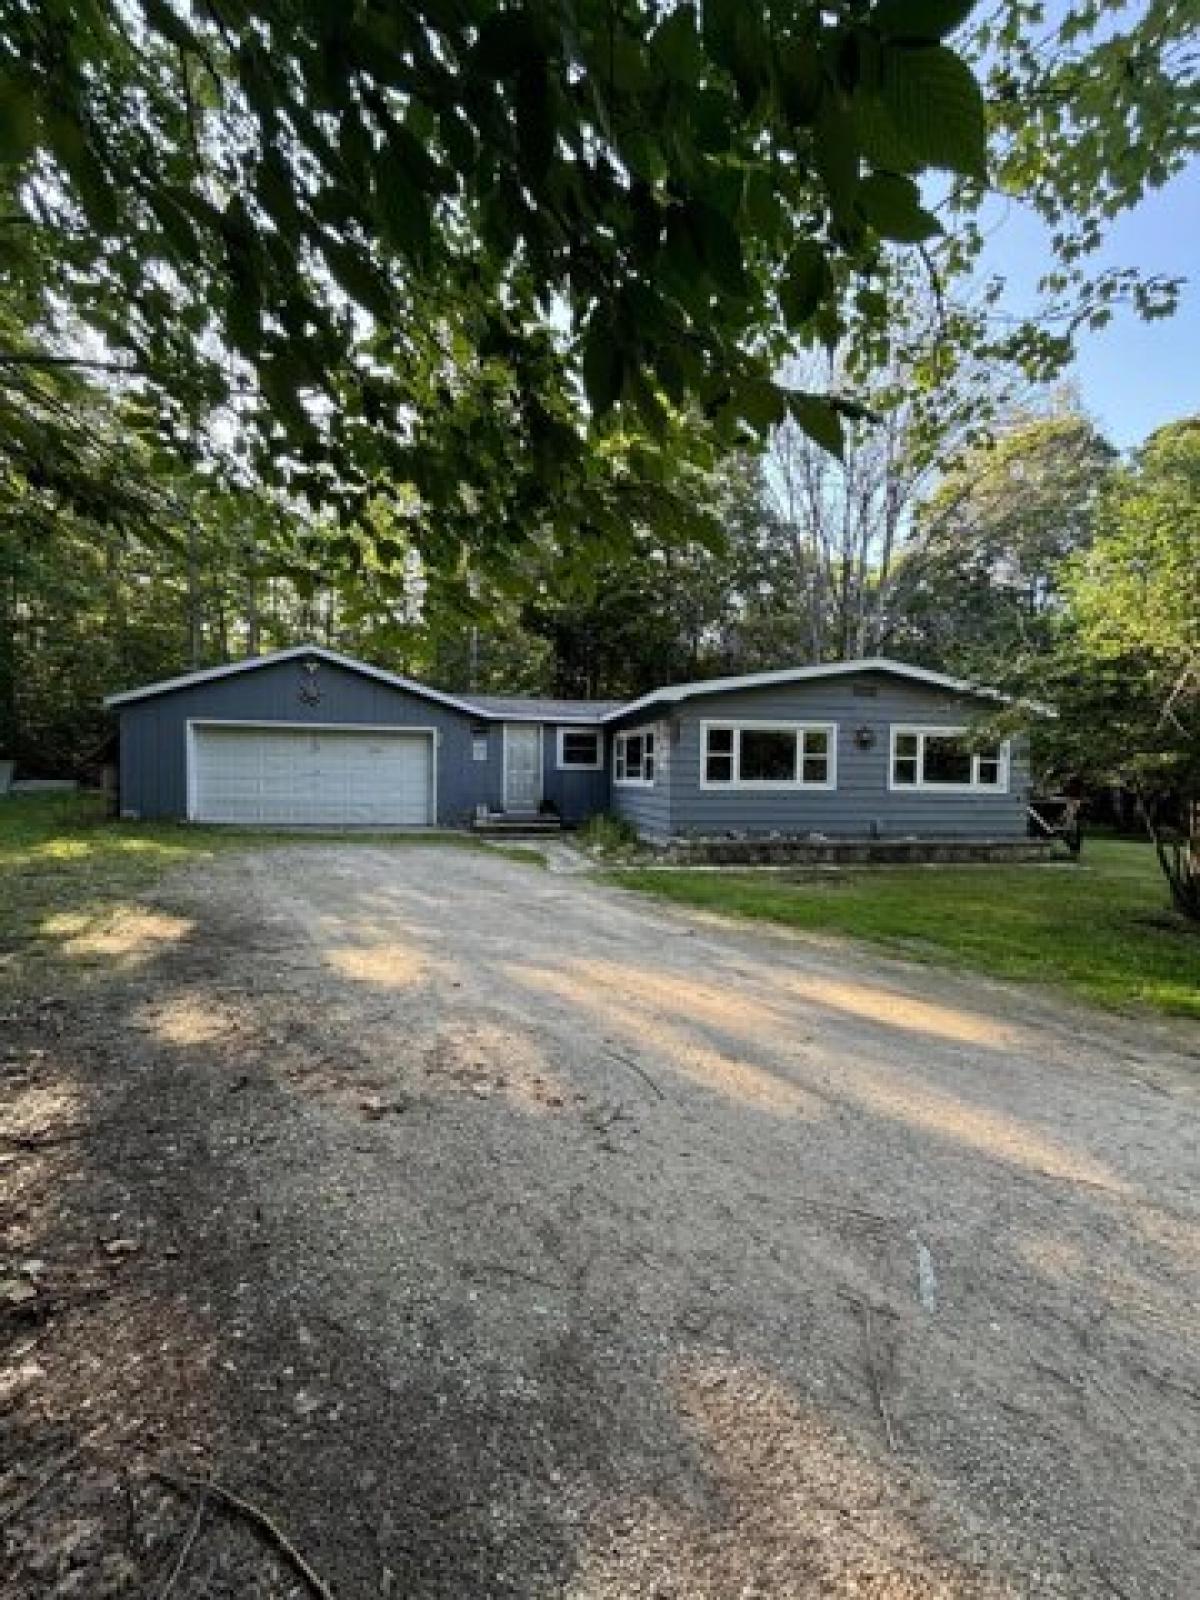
x: 862, y: 803
x: 575, y: 794
x: 647, y: 808
x: 154, y: 731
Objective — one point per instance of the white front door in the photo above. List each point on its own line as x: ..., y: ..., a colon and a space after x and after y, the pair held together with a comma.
x: 522, y: 766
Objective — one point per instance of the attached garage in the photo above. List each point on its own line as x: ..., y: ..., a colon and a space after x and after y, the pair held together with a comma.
x: 311, y: 774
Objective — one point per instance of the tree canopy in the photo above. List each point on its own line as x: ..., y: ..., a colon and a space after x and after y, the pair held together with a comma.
x: 530, y: 267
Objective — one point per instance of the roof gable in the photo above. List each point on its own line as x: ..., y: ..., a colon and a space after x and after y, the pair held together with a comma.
x: 306, y: 652
x: 673, y: 693
x: 532, y: 708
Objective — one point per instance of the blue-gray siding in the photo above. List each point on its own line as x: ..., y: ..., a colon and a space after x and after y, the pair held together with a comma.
x: 648, y: 807
x: 861, y: 805
x: 154, y: 739
x: 154, y: 755
x: 154, y: 731
x: 575, y: 795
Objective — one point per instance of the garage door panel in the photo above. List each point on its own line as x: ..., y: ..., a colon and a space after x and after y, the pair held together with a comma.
x: 342, y: 777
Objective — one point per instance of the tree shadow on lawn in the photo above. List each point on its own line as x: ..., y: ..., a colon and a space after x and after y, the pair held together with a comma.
x: 482, y: 1343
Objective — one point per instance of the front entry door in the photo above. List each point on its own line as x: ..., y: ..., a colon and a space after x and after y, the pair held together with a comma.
x: 522, y: 766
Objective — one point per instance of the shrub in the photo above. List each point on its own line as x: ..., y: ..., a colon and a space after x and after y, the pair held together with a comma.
x: 608, y: 835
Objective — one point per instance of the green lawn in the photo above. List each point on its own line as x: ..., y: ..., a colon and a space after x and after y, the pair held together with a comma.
x: 65, y: 865
x: 1100, y: 928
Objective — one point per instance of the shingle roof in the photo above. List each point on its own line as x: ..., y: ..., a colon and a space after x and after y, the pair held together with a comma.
x: 535, y: 706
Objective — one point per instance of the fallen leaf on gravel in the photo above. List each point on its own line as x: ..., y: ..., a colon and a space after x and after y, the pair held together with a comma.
x: 16, y: 1292
x: 375, y: 1105
x: 121, y: 1247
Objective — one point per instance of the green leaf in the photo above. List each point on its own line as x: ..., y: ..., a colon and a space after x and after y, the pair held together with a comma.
x: 719, y: 246
x: 920, y: 19
x: 892, y: 206
x: 677, y: 45
x: 603, y: 367
x: 358, y: 277
x: 818, y: 417
x: 835, y: 156
x: 806, y: 282
x: 18, y: 121
x: 936, y: 107
x: 800, y: 81
x: 403, y: 213
x: 761, y: 402
x: 71, y: 147
x: 507, y: 42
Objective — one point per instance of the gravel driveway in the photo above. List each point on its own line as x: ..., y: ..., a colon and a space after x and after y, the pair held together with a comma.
x: 507, y: 1235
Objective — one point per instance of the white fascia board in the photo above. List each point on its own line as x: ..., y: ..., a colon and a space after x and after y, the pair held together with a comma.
x: 672, y: 693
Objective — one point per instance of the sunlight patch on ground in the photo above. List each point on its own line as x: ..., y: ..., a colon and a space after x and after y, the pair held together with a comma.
x: 720, y: 1005
x: 60, y: 850
x: 131, y: 931
x: 994, y: 1134
x: 190, y: 1020
x: 780, y: 1502
x: 35, y: 1108
x: 892, y: 1010
x: 390, y: 965
x: 646, y: 1030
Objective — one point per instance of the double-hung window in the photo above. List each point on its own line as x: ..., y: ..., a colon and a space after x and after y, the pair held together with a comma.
x: 947, y: 759
x: 768, y: 755
x: 633, y: 757
x: 581, y: 749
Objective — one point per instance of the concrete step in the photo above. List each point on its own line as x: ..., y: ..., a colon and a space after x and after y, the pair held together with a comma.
x: 510, y: 826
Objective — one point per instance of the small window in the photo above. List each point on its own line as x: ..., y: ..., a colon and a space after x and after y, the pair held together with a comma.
x: 479, y: 744
x: 718, y: 757
x: 633, y: 759
x: 988, y: 765
x: 815, y: 755
x: 946, y: 758
x: 906, y: 758
x: 765, y: 755
x: 580, y: 748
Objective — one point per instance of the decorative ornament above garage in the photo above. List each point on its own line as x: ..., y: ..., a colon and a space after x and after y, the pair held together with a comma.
x: 310, y: 689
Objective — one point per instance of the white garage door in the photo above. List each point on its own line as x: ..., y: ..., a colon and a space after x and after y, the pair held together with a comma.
x: 335, y: 776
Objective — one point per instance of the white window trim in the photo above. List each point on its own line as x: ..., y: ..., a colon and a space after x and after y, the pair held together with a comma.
x: 922, y: 730
x: 769, y: 785
x: 650, y: 728
x: 581, y: 766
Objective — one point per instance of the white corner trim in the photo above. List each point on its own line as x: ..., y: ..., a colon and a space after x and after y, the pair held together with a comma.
x: 921, y: 730
x: 737, y: 784
x: 580, y: 766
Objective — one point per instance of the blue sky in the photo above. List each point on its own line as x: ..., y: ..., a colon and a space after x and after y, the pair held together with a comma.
x: 1133, y: 375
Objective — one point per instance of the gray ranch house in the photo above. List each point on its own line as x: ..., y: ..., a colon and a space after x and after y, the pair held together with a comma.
x: 870, y: 749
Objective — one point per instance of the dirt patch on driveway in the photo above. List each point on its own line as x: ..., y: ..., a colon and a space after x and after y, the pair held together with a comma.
x: 504, y: 1235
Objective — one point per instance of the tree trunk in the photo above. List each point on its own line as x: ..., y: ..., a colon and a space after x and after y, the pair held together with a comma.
x: 1179, y: 856
x: 194, y: 624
